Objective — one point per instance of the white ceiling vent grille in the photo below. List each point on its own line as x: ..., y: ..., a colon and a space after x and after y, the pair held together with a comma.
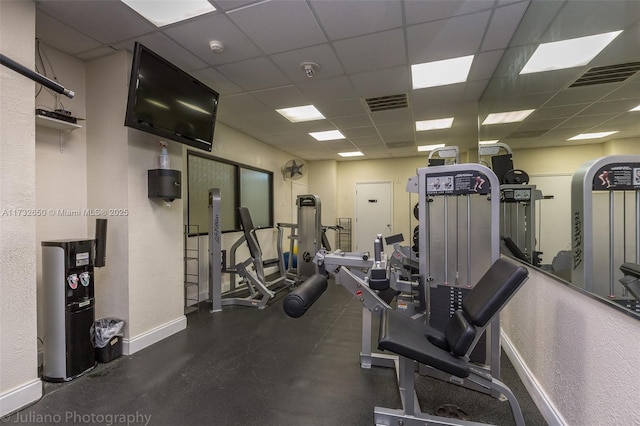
x: 384, y: 103
x: 607, y: 74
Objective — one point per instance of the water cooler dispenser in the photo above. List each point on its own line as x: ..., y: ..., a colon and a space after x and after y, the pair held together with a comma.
x: 69, y: 308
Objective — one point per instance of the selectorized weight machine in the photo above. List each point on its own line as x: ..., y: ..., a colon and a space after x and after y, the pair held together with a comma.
x: 605, y: 208
x: 442, y: 353
x: 308, y: 235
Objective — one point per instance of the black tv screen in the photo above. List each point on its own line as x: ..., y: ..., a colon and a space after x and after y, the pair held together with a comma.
x: 168, y: 102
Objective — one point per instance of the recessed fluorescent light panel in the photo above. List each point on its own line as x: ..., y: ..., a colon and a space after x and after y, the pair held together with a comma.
x: 161, y: 13
x: 441, y: 123
x: 423, y: 148
x: 570, y: 53
x: 441, y: 73
x: 507, y: 117
x: 635, y: 109
x: 351, y: 154
x: 487, y: 142
x: 329, y: 135
x: 591, y: 135
x: 301, y: 113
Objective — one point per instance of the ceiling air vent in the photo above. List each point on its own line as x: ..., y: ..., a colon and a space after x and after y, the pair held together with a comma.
x: 607, y: 74
x: 400, y: 144
x: 384, y: 103
x: 527, y: 134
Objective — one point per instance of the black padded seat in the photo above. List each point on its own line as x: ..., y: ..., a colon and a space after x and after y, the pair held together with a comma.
x: 407, y: 337
x: 446, y: 350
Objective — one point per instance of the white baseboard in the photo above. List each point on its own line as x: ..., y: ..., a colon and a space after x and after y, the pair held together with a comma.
x: 141, y: 341
x: 550, y: 413
x: 20, y: 397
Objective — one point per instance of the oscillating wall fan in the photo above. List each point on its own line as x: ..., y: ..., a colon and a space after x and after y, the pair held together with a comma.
x: 294, y: 169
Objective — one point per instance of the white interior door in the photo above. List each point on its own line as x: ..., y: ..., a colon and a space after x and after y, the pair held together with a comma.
x: 373, y: 213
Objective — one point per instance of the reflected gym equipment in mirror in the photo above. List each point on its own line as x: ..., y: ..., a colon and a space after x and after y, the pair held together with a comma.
x: 560, y: 109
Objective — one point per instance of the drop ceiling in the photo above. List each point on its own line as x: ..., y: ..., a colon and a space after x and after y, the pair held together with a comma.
x: 365, y: 49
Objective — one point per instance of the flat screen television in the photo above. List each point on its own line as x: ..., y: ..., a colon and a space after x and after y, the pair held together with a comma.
x: 168, y: 102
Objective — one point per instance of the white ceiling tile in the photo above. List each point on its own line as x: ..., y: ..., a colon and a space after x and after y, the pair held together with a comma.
x: 197, y: 34
x: 484, y: 65
x: 352, y: 122
x: 417, y: 11
x: 63, y: 37
x: 168, y: 49
x: 503, y: 25
x: 228, y: 5
x: 281, y: 97
x: 254, y: 74
x: 390, y: 81
x: 353, y: 18
x: 341, y: 108
x: 289, y: 17
x: 401, y: 116
x: 564, y: 111
x: 242, y: 103
x: 216, y: 81
x: 359, y: 132
x: 372, y: 52
x: 323, y: 55
x: 92, y: 17
x: 367, y: 141
x: 337, y: 88
x: 446, y: 39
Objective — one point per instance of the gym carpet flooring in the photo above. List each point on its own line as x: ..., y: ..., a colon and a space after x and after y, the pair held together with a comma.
x: 248, y: 367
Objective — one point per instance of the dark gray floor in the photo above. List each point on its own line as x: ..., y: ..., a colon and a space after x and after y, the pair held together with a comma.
x: 249, y: 367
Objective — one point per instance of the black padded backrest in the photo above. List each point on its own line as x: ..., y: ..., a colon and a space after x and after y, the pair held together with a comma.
x: 632, y: 269
x: 493, y: 291
x: 459, y: 333
x: 249, y: 232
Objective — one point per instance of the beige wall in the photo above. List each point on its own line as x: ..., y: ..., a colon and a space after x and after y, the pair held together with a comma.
x: 323, y: 181
x: 107, y: 164
x: 19, y: 383
x: 577, y: 356
x: 397, y: 171
x: 61, y: 166
x: 230, y: 144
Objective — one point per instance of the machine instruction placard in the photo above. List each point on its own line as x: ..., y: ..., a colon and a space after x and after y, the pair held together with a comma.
x: 617, y: 177
x: 463, y: 183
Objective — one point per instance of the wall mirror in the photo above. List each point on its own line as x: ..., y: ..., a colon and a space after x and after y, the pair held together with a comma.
x: 548, y: 118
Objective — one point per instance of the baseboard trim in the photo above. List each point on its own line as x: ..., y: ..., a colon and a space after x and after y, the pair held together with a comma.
x: 550, y: 413
x: 20, y: 397
x: 141, y: 341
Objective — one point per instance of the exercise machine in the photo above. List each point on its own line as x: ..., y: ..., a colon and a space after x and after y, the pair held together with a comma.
x: 631, y: 279
x: 307, y: 236
x: 251, y: 270
x: 444, y: 155
x: 605, y: 209
x: 518, y: 221
x: 411, y: 341
x: 449, y: 352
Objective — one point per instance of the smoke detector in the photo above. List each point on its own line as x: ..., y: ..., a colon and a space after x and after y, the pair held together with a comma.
x: 309, y: 68
x: 216, y: 46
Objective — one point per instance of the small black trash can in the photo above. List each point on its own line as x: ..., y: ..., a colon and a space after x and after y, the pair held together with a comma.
x: 107, y: 338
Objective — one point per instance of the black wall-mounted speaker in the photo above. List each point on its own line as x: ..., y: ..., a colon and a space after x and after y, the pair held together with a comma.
x: 101, y: 243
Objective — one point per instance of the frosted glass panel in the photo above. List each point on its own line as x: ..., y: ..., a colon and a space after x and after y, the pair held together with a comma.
x: 205, y: 173
x: 255, y: 194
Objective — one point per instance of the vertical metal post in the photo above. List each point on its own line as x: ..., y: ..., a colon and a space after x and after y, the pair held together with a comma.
x: 637, y: 222
x: 215, y: 235
x: 405, y: 381
x: 468, y: 240
x: 611, y: 242
x: 446, y: 240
